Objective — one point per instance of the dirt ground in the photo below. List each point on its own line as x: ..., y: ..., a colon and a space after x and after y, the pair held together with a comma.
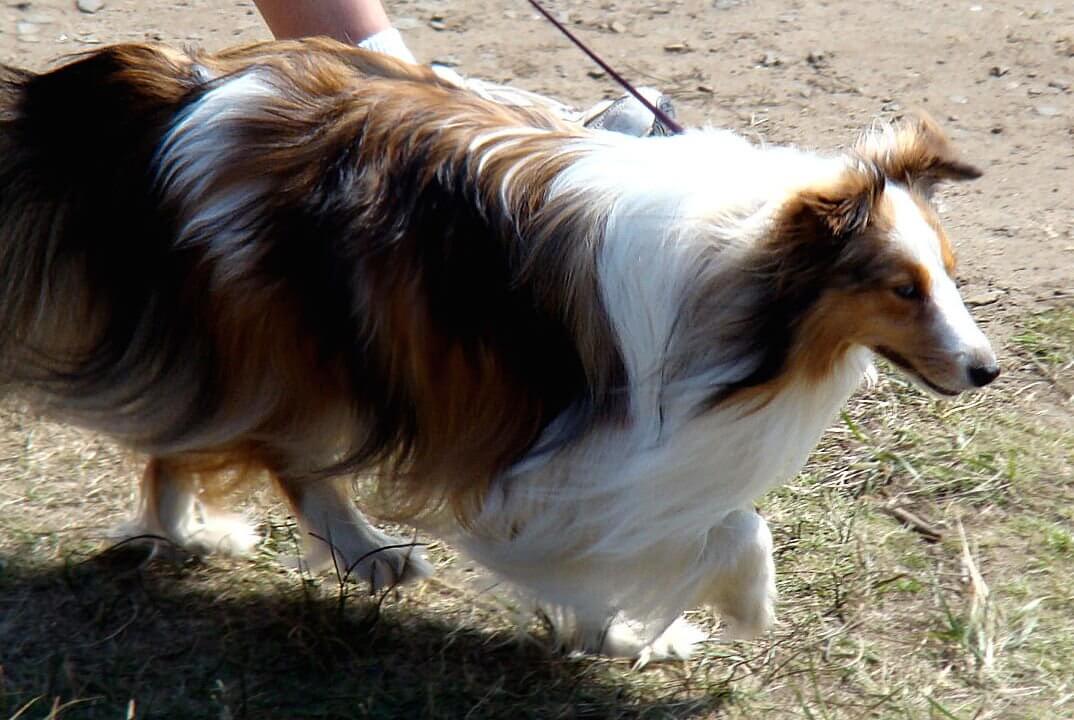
x: 997, y: 75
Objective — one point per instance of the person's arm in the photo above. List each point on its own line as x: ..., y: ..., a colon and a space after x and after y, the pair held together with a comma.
x: 359, y: 22
x: 348, y: 20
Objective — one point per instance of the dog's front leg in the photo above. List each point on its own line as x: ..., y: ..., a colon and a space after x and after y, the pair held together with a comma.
x: 741, y: 582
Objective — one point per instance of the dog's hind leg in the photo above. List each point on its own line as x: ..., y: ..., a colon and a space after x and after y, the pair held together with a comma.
x: 742, y: 581
x: 331, y: 525
x: 171, y: 507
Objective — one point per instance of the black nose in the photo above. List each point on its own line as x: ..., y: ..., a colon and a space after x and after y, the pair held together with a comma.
x: 981, y: 375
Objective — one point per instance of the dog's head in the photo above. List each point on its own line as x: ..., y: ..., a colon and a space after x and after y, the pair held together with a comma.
x: 890, y: 274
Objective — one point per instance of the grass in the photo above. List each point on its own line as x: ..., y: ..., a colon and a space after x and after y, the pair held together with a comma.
x: 925, y: 562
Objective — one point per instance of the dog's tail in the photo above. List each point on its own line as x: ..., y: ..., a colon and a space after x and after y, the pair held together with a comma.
x: 81, y: 257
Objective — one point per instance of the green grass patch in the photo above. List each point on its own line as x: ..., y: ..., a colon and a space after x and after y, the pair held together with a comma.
x: 1048, y: 336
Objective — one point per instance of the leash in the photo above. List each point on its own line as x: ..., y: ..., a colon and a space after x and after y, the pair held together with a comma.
x: 665, y: 120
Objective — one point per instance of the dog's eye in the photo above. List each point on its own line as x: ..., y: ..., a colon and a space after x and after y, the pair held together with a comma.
x: 908, y: 292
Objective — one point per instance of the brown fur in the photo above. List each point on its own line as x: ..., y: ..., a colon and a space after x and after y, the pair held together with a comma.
x: 342, y: 339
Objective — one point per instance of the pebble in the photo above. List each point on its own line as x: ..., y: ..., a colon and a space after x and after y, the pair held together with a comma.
x: 617, y: 27
x: 771, y: 60
x: 985, y: 298
x: 90, y: 6
x: 677, y: 47
x: 438, y: 24
x: 998, y: 70
x: 959, y: 99
x: 27, y: 31
x: 1048, y: 110
x: 1060, y: 83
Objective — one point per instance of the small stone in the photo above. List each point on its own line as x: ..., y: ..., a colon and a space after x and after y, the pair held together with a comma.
x: 89, y: 6
x: 998, y: 70
x: 725, y: 4
x: 617, y: 27
x: 1048, y: 110
x: 997, y: 130
x: 817, y: 58
x: 771, y: 60
x: 446, y: 60
x: 1060, y: 84
x: 705, y: 89
x: 25, y: 29
x: 959, y: 99
x: 986, y: 298
x: 437, y: 23
x: 596, y: 74
x: 677, y: 47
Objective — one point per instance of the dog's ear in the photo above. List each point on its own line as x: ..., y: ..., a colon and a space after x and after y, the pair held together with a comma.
x: 915, y: 151
x: 836, y: 211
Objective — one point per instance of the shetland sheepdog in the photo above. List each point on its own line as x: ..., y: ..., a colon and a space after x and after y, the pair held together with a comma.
x: 577, y: 355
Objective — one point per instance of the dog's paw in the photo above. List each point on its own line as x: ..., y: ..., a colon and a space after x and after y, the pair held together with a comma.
x: 381, y: 566
x: 749, y: 621
x: 384, y: 569
x: 222, y: 534
x: 675, y: 643
x: 207, y: 534
x: 631, y: 639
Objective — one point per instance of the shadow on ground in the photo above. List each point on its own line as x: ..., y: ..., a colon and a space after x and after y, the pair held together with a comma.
x: 87, y: 639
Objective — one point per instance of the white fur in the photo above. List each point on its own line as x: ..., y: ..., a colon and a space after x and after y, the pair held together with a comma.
x: 198, y: 147
x: 633, y: 524
x: 958, y: 336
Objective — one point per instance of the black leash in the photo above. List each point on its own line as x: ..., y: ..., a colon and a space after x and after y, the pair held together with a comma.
x: 661, y: 116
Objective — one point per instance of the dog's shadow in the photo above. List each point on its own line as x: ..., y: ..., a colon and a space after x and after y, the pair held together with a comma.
x: 114, y: 636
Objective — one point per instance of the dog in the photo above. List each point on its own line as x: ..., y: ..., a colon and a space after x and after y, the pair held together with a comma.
x: 579, y: 356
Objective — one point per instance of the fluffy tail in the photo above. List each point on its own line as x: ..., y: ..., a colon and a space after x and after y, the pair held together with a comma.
x: 79, y: 269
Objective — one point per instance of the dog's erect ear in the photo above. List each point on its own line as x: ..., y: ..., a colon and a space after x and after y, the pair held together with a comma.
x: 915, y: 151
x: 839, y: 210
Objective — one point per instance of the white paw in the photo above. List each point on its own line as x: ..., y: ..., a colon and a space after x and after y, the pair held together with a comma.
x: 223, y: 533
x: 631, y: 639
x: 220, y: 533
x: 675, y: 643
x: 381, y: 568
x: 751, y: 616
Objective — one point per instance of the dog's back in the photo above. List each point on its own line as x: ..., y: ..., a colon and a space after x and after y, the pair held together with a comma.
x: 241, y: 255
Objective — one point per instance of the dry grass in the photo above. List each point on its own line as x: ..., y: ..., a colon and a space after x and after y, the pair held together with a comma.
x: 925, y: 558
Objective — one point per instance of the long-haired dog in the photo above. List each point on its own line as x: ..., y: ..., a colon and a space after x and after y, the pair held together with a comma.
x: 579, y: 356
